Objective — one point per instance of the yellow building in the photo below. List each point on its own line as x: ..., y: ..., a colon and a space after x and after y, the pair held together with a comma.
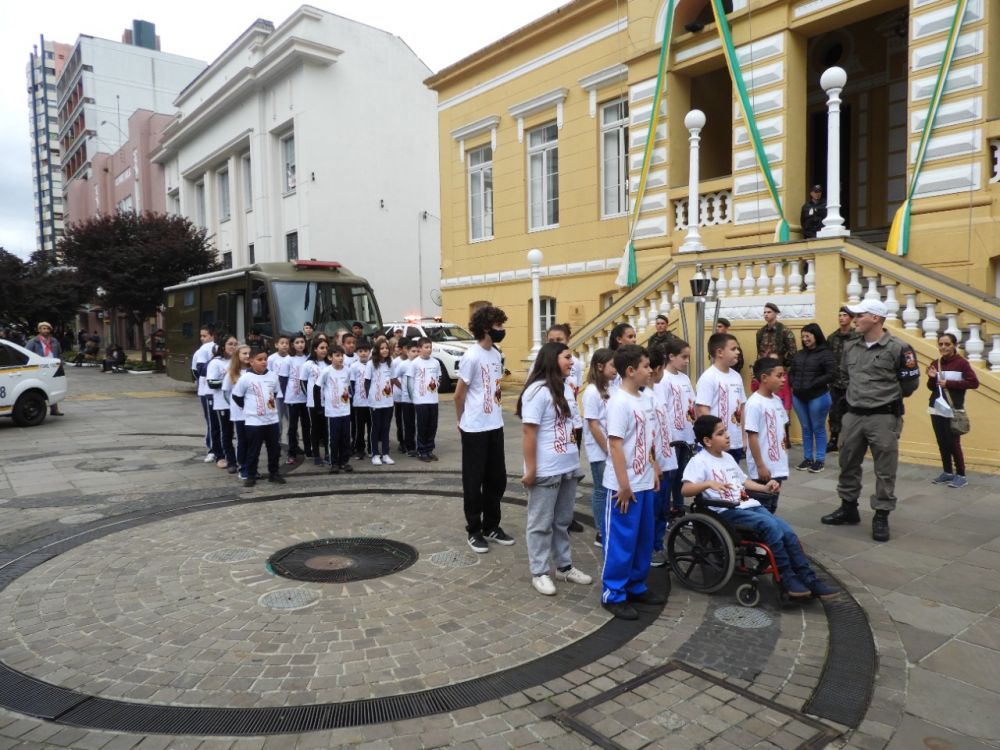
x: 543, y: 134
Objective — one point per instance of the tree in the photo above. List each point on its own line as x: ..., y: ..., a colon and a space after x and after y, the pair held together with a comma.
x: 134, y: 256
x: 37, y: 289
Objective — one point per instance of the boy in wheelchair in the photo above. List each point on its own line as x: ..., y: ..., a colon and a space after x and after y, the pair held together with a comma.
x: 713, y: 474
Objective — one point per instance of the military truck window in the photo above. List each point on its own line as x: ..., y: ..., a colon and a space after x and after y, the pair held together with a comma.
x: 260, y: 311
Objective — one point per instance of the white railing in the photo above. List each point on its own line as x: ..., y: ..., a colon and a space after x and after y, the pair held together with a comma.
x: 714, y: 209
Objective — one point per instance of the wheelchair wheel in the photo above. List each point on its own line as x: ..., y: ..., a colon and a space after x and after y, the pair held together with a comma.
x: 748, y: 595
x: 700, y: 552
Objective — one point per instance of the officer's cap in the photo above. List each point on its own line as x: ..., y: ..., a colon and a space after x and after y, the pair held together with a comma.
x: 870, y: 306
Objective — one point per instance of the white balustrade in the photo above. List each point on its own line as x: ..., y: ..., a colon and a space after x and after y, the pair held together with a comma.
x: 734, y: 281
x: 994, y: 356
x: 652, y: 311
x: 642, y: 321
x: 631, y: 320
x: 779, y: 278
x: 720, y: 284
x: 975, y: 345
x: 795, y: 277
x: 854, y: 286
x: 714, y: 209
x: 931, y: 324
x: 952, y: 327
x: 665, y: 300
x: 677, y: 294
x: 748, y: 281
x: 810, y: 277
x: 911, y: 314
x: 763, y: 281
x: 872, y: 292
x: 891, y: 303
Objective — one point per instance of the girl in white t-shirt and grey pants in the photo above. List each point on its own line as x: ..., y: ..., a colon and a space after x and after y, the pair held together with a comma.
x: 551, y: 467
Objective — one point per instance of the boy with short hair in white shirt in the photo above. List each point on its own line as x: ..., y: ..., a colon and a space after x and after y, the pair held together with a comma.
x: 335, y: 386
x: 423, y: 381
x: 631, y: 479
x: 720, y: 389
x: 411, y: 350
x: 678, y: 394
x: 199, y: 366
x: 256, y: 392
x: 361, y: 413
x: 666, y: 459
x: 281, y: 345
x: 765, y: 420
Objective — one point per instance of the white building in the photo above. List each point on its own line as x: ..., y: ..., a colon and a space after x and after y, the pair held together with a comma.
x: 102, y: 84
x: 316, y: 139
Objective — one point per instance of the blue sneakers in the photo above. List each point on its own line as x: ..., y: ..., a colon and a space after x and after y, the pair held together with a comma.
x: 943, y: 478
x: 794, y: 587
x: 822, y: 590
x: 958, y: 481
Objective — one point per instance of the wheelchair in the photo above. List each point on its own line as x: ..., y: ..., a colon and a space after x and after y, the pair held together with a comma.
x: 704, y: 551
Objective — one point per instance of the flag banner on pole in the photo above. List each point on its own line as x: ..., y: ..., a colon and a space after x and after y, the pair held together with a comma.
x: 628, y: 274
x: 736, y: 76
x: 899, y: 234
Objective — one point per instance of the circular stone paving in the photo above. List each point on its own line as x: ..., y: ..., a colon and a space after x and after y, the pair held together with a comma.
x: 149, y: 614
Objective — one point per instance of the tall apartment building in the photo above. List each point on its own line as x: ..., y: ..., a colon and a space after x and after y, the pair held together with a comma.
x: 102, y: 84
x: 45, y: 63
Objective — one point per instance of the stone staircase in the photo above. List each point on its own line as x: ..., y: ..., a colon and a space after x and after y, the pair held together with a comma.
x: 809, y: 281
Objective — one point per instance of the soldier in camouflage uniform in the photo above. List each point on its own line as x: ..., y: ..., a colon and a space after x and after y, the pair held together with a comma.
x: 774, y: 340
x: 837, y: 341
x: 880, y: 371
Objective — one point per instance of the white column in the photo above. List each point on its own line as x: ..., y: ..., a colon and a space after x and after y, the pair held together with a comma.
x: 974, y: 346
x: 763, y: 280
x: 665, y: 301
x: 833, y: 82
x: 795, y: 277
x: 779, y: 277
x: 642, y: 321
x: 810, y: 277
x: 891, y: 303
x: 748, y: 282
x: 721, y: 285
x: 854, y: 286
x: 931, y: 324
x: 535, y: 260
x: 911, y: 314
x: 872, y: 292
x: 994, y: 355
x: 952, y: 326
x: 694, y: 122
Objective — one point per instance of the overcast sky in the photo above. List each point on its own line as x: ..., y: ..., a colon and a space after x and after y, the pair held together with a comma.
x: 439, y: 31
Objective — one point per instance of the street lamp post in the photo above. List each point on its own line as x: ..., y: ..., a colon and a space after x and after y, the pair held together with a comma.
x: 694, y: 121
x: 833, y: 81
x: 535, y: 258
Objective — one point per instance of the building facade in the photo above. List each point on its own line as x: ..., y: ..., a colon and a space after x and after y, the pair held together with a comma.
x: 45, y: 64
x: 102, y: 84
x: 542, y: 141
x: 314, y: 139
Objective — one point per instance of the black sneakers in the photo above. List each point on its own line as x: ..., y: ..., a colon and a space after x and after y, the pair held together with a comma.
x: 478, y: 544
x: 575, y: 526
x: 647, y: 597
x: 499, y: 536
x: 846, y: 514
x: 621, y: 610
x: 277, y: 479
x: 880, y: 526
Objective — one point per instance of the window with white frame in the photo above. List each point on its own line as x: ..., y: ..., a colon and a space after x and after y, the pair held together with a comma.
x: 247, y: 183
x: 546, y: 313
x: 224, y: 206
x: 292, y: 246
x: 481, y: 193
x: 543, y: 177
x: 125, y: 205
x: 199, y: 204
x: 288, y: 163
x: 614, y: 158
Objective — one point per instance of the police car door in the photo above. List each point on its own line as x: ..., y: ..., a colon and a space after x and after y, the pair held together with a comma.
x: 11, y: 362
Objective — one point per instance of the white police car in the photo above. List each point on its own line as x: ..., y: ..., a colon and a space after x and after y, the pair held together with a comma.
x: 29, y: 383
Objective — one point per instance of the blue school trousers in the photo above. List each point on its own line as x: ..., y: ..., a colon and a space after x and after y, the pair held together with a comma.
x: 661, y: 508
x: 267, y: 435
x: 628, y: 546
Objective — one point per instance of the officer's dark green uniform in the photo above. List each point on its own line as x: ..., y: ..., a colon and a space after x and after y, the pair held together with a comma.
x: 836, y: 341
x: 878, y: 378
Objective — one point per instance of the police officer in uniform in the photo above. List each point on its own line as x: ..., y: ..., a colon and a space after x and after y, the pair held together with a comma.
x: 880, y: 371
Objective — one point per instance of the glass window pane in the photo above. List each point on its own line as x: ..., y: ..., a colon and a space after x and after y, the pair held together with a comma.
x: 488, y: 202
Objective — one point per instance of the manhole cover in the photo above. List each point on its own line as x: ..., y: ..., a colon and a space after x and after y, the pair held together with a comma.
x: 230, y: 555
x: 286, y: 599
x: 380, y: 528
x: 342, y: 560
x: 743, y: 617
x: 453, y: 558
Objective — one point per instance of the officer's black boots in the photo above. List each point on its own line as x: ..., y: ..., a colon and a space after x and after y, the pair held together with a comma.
x: 880, y: 526
x: 831, y: 446
x: 846, y: 514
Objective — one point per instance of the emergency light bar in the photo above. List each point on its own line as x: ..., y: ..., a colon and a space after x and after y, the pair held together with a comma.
x: 332, y: 264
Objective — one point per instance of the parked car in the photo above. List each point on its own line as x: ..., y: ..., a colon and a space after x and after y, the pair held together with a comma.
x: 29, y: 383
x: 449, y: 342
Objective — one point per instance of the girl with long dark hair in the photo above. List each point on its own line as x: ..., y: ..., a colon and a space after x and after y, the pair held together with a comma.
x: 813, y: 370
x: 950, y: 376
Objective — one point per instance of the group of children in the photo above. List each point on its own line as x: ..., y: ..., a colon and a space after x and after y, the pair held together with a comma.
x: 341, y: 395
x: 653, y: 439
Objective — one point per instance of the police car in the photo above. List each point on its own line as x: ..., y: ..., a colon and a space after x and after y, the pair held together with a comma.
x: 448, y: 343
x: 29, y: 383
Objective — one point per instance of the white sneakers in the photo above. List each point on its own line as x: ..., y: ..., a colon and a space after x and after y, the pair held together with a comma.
x: 380, y: 460
x: 209, y: 458
x: 387, y: 461
x: 574, y: 576
x: 377, y: 460
x: 543, y: 585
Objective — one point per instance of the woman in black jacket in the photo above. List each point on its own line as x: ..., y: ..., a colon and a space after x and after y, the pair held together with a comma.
x: 813, y: 369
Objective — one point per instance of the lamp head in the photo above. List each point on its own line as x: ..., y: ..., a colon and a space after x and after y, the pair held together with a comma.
x: 535, y: 256
x: 833, y: 78
x: 694, y: 120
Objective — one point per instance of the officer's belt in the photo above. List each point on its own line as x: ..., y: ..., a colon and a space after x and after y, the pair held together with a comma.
x: 892, y: 408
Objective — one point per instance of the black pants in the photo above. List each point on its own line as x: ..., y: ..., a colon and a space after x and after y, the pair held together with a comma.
x: 338, y: 447
x: 361, y: 417
x: 381, y: 419
x: 684, y: 453
x: 409, y: 428
x: 317, y: 418
x: 260, y: 435
x: 398, y: 409
x: 949, y: 446
x: 222, y: 436
x: 427, y: 427
x: 838, y: 407
x: 298, y: 414
x: 240, y: 428
x: 206, y: 411
x: 484, y: 479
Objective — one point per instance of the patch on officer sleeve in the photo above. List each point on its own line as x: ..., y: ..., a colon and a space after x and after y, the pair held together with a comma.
x: 909, y: 359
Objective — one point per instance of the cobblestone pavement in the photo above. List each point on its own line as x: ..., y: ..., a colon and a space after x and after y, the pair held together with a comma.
x: 175, y: 611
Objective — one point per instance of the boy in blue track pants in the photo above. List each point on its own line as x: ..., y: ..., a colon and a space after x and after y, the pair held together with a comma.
x: 631, y: 478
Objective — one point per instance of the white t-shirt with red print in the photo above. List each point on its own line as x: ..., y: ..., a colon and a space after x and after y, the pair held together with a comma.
x: 662, y: 436
x: 595, y: 407
x: 357, y: 371
x: 291, y: 367
x: 425, y: 380
x: 481, y: 370
x: 704, y: 467
x: 380, y: 391
x: 676, y: 391
x: 723, y: 394
x: 335, y: 386
x: 767, y: 417
x: 556, y: 451
x: 632, y: 419
x: 260, y: 392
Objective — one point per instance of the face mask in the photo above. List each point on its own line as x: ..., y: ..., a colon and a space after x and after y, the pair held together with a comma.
x: 497, y: 336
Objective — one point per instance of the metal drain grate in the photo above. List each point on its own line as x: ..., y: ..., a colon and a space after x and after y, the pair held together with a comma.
x: 453, y: 558
x: 230, y: 555
x: 743, y: 617
x: 288, y: 599
x: 342, y: 560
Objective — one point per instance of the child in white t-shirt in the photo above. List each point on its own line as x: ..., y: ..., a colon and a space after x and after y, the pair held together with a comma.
x: 335, y: 387
x: 424, y: 381
x: 551, y: 467
x: 290, y: 377
x: 720, y: 389
x: 676, y: 391
x: 256, y: 392
x: 411, y: 350
x: 281, y: 346
x: 714, y: 473
x: 631, y: 479
x: 595, y: 431
x: 765, y: 419
x: 666, y: 459
x: 361, y: 413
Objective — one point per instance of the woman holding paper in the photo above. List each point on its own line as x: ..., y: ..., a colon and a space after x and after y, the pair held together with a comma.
x: 948, y: 378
